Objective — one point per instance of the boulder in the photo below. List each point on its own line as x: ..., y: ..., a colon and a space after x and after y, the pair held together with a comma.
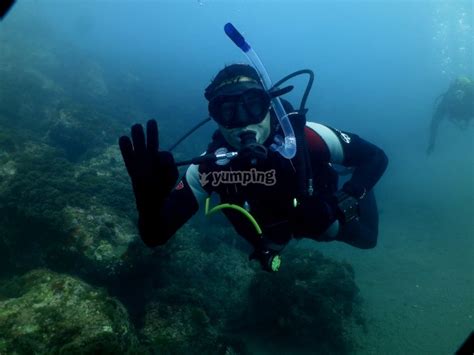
x: 43, y: 312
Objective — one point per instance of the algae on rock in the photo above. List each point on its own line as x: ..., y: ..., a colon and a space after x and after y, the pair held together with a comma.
x: 49, y: 313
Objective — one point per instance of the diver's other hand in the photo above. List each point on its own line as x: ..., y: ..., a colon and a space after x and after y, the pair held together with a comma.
x: 153, y: 173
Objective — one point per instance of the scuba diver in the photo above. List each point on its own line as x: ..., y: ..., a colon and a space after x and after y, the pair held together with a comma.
x: 456, y: 104
x: 275, y: 183
x: 258, y: 179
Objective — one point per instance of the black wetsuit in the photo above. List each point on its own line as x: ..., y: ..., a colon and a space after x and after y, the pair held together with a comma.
x: 270, y: 197
x: 460, y: 111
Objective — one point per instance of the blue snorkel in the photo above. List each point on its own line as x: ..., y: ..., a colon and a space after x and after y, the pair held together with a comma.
x: 286, y: 148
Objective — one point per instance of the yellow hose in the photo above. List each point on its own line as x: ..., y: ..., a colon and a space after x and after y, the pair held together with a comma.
x: 214, y: 209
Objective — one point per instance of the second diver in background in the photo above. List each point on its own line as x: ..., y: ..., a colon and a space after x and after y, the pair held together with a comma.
x: 456, y: 105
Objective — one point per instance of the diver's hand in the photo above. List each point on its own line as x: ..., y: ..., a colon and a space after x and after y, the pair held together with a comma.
x: 153, y: 173
x: 347, y: 200
x: 269, y: 259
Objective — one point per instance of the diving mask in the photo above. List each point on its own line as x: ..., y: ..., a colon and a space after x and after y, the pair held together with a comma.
x: 239, y: 110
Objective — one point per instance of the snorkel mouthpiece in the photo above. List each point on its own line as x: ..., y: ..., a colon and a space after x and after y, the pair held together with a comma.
x: 287, y: 146
x: 251, y: 150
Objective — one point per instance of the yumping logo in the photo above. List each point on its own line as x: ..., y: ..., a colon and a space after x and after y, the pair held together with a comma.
x: 252, y: 176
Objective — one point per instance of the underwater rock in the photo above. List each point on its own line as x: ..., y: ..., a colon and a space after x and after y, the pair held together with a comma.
x: 7, y: 142
x: 179, y: 329
x: 99, y: 237
x: 7, y: 172
x: 67, y: 133
x: 66, y: 201
x: 312, y: 301
x: 44, y: 312
x: 200, y: 286
x: 80, y: 130
x: 92, y: 79
x: 205, y: 290
x: 51, y: 90
x: 102, y: 229
x: 185, y: 329
x: 199, y: 269
x: 64, y: 216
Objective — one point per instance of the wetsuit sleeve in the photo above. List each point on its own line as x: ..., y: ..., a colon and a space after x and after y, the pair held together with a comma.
x: 348, y: 149
x: 369, y: 161
x: 182, y: 203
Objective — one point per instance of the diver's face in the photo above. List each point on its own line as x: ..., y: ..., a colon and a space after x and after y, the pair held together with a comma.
x: 262, y: 132
x: 241, y: 106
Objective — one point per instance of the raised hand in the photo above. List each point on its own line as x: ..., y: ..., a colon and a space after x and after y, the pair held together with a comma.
x: 153, y: 173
